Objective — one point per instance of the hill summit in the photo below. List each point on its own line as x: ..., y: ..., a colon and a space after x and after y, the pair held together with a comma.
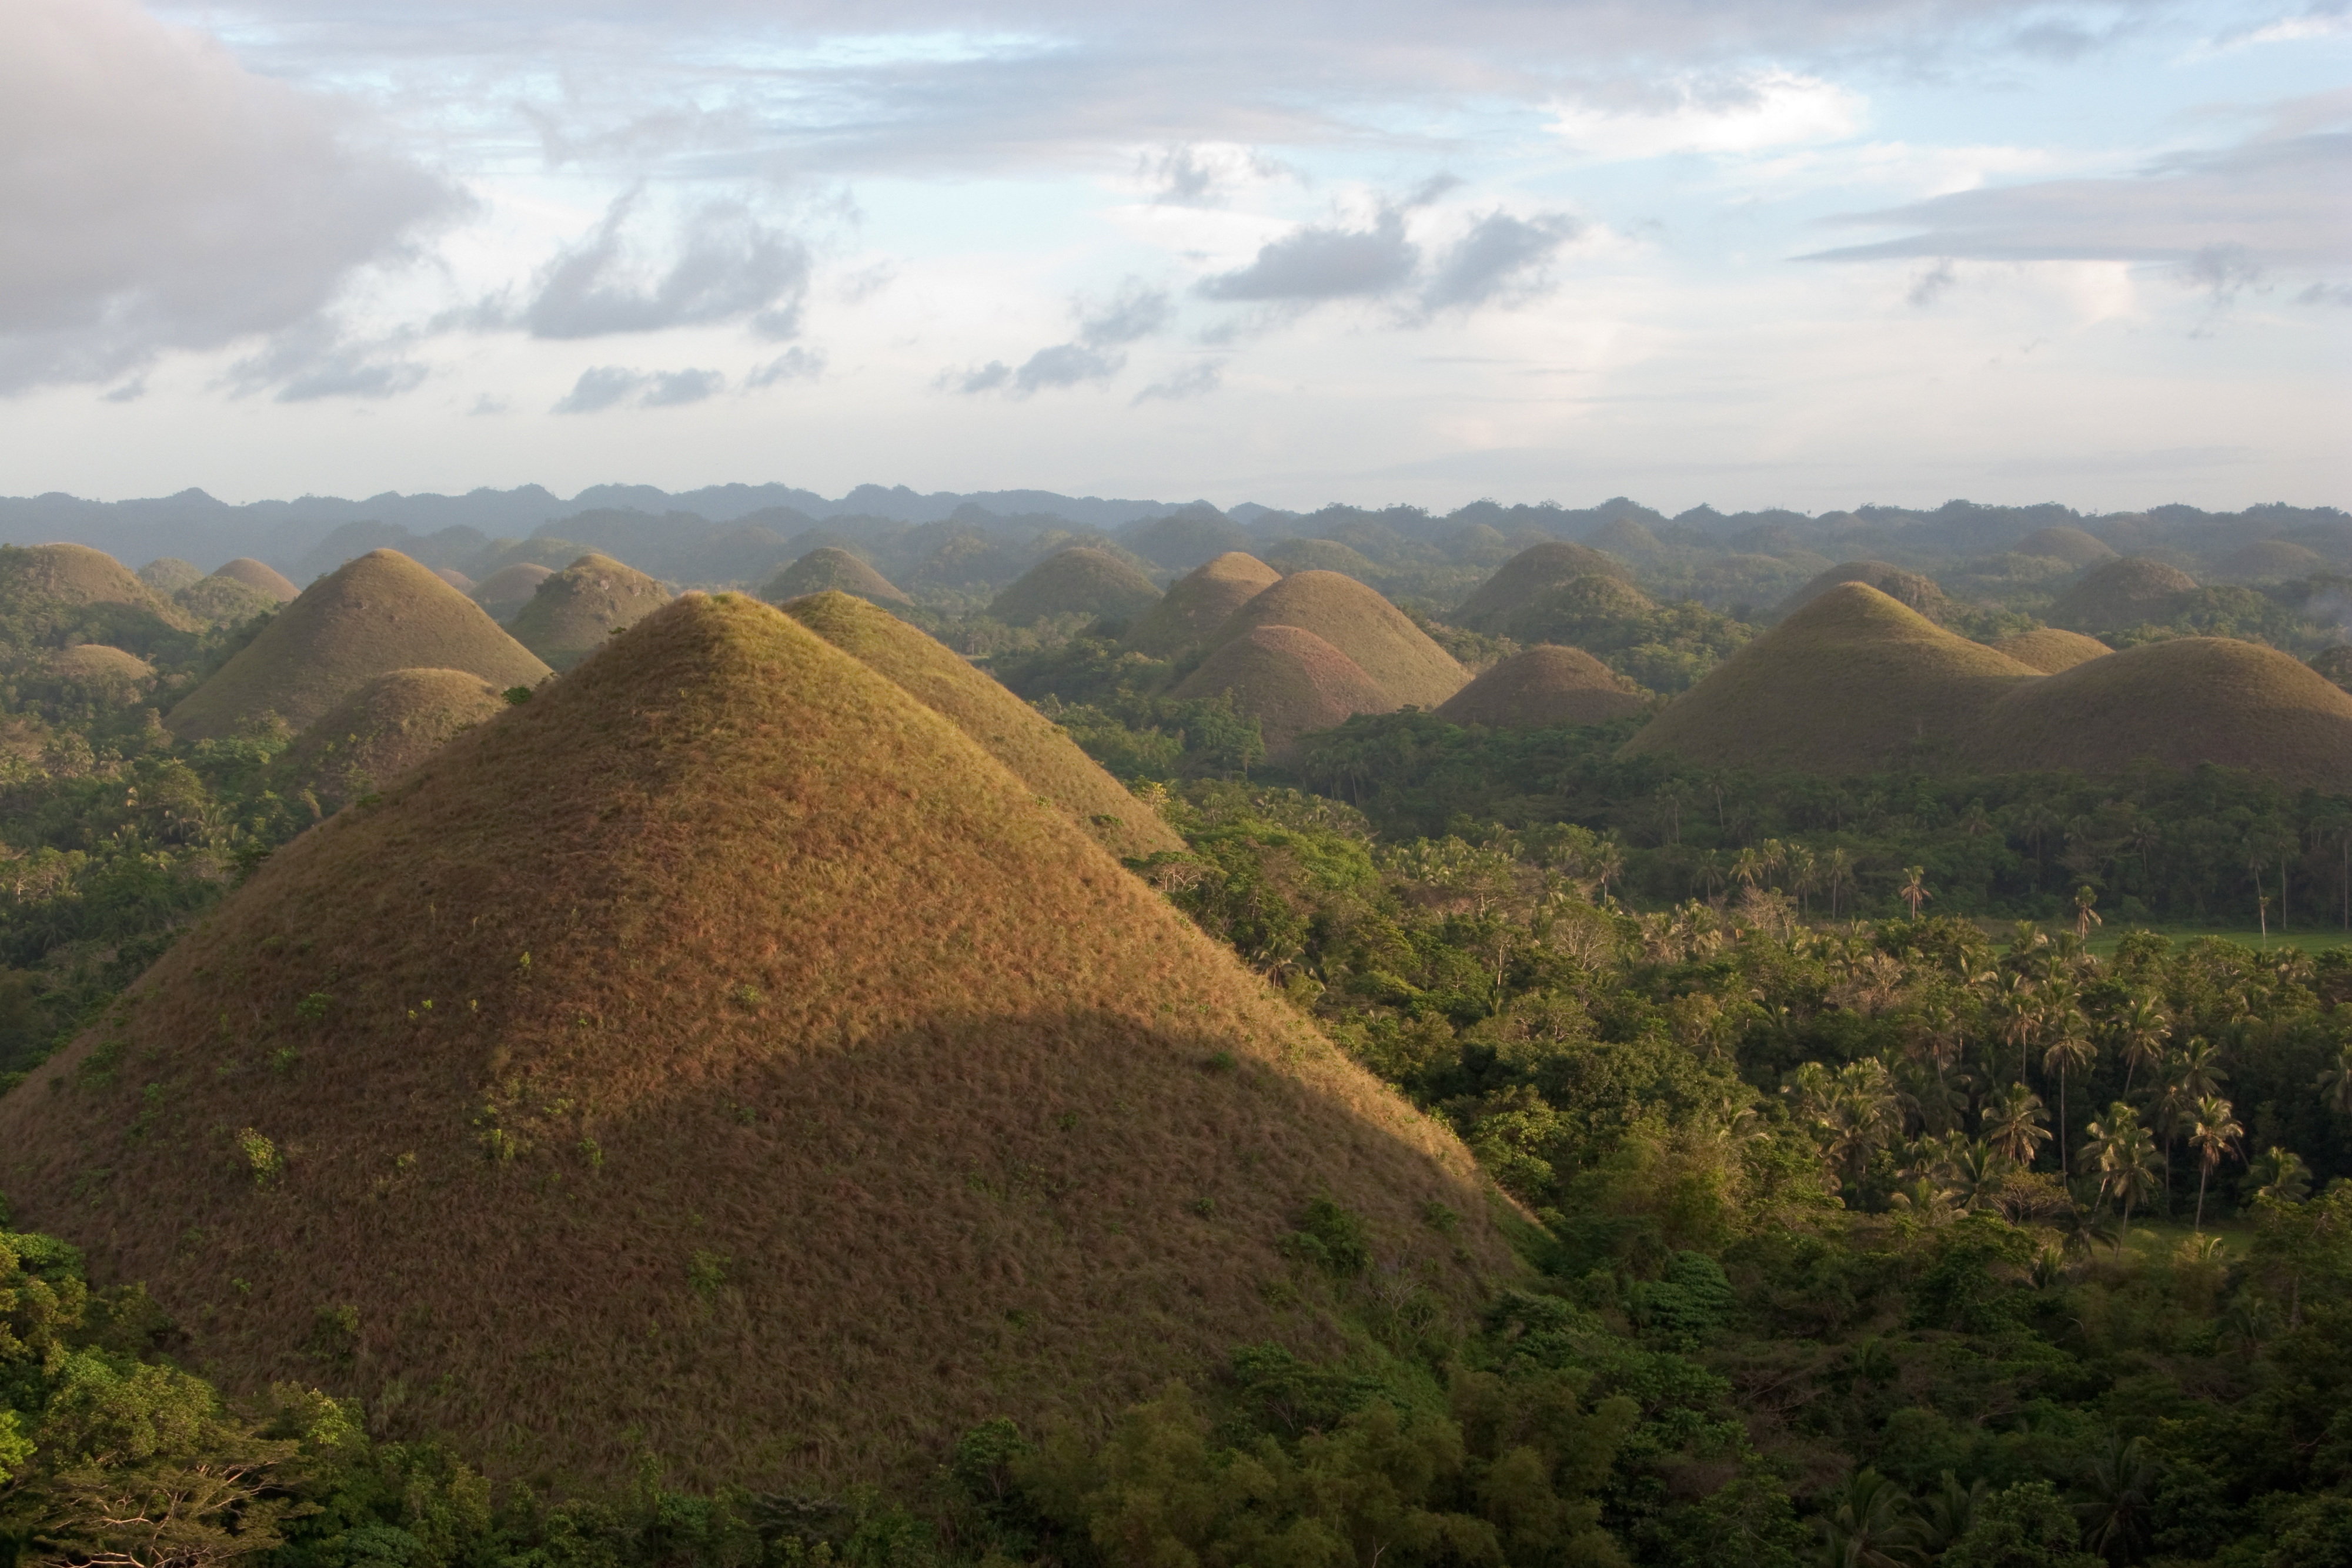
x: 1377, y: 636
x: 827, y: 567
x: 1544, y: 686
x: 574, y: 612
x: 721, y: 1062
x: 1196, y: 605
x: 2120, y: 593
x: 1528, y: 575
x: 1079, y: 582
x: 1289, y: 680
x: 370, y: 616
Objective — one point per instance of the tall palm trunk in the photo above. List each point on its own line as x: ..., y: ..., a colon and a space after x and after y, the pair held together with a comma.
x: 2203, y: 1171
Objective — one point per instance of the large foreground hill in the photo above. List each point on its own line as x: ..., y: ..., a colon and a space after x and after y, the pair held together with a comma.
x: 718, y: 1060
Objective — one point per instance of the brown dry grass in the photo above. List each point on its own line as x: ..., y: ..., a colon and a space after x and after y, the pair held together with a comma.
x: 1909, y: 588
x: 370, y: 616
x: 1017, y: 734
x: 847, y: 1097
x: 2181, y: 702
x: 268, y: 580
x: 112, y: 674
x: 2122, y: 592
x: 1542, y: 686
x: 79, y: 575
x: 1081, y: 581
x: 510, y: 588
x: 1291, y: 681
x: 2050, y: 650
x: 1197, y: 604
x: 1362, y: 624
x: 827, y: 567
x: 1528, y: 575
x: 1851, y: 682
x: 2071, y: 545
x: 380, y: 732
x: 455, y: 579
x: 575, y: 610
x: 2269, y: 560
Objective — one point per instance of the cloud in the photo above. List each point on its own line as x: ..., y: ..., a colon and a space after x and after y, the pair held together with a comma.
x: 1500, y: 260
x: 313, y: 358
x: 1135, y: 312
x: 607, y: 386
x: 1194, y: 380
x: 793, y: 364
x: 727, y: 266
x: 155, y: 195
x: 1932, y: 284
x: 1317, y: 263
x: 1718, y: 114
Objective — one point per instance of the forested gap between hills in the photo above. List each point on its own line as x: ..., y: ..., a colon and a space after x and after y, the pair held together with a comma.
x: 1896, y: 1196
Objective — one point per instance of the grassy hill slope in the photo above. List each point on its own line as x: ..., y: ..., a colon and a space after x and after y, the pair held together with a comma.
x: 2121, y: 593
x: 1542, y: 686
x: 380, y: 732
x: 719, y: 1062
x: 1196, y: 605
x: 1080, y: 581
x: 369, y: 617
x: 2050, y: 650
x: 1017, y: 734
x: 1530, y: 575
x: 2066, y: 543
x: 828, y: 568
x: 1910, y: 588
x: 510, y: 588
x: 1354, y: 619
x: 57, y: 594
x: 261, y: 578
x: 1289, y: 680
x: 575, y: 610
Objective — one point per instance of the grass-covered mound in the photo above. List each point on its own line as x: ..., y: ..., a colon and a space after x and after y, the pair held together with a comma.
x: 2269, y: 560
x: 1032, y: 746
x: 1851, y: 682
x: 263, y: 577
x: 1080, y: 581
x: 2120, y: 593
x: 1354, y: 619
x: 1532, y: 574
x: 169, y: 574
x: 54, y: 595
x: 2182, y: 702
x: 2066, y: 543
x: 216, y: 598
x: 575, y: 610
x: 1196, y: 605
x: 456, y: 578
x: 2050, y: 649
x: 509, y: 589
x: 721, y: 1068
x: 1910, y: 588
x: 370, y: 616
x: 1545, y: 686
x: 1323, y: 555
x: 830, y: 569
x: 380, y: 732
x: 1291, y: 681
x: 108, y: 673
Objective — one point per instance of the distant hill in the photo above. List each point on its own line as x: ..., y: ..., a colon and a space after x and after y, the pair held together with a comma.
x: 109, y: 675
x: 1910, y: 588
x: 1323, y: 555
x: 1196, y: 605
x: 1082, y: 581
x: 827, y: 567
x: 1354, y: 619
x: 574, y: 612
x: 376, y: 614
x: 2120, y: 593
x: 509, y: 589
x: 1185, y: 538
x: 2067, y: 543
x: 1541, y: 687
x: 2050, y: 650
x: 262, y: 579
x: 1291, y: 681
x: 1528, y: 575
x: 169, y: 574
x: 1017, y: 734
x: 741, y: 1079
x: 455, y: 579
x: 2269, y: 560
x: 1851, y: 682
x: 51, y: 595
x: 217, y: 599
x: 380, y: 732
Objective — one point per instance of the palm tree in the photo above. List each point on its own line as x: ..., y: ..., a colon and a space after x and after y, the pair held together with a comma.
x: 1872, y: 1525
x: 2126, y: 1155
x: 2012, y: 1122
x: 2336, y: 1083
x: 2012, y: 1010
x: 2085, y: 916
x: 2282, y: 1175
x: 1977, y: 1172
x: 2215, y: 1134
x: 2070, y: 1052
x: 1837, y: 875
x: 1950, y: 1510
x: 2120, y: 1479
x: 1914, y: 891
x: 2140, y: 1033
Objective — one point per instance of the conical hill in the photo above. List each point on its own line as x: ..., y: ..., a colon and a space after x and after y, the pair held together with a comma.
x: 169, y: 574
x: 1032, y: 746
x: 456, y: 578
x: 2183, y: 702
x: 1354, y: 619
x: 1911, y: 587
x: 829, y: 568
x: 1849, y: 683
x: 2066, y: 543
x: 2120, y: 593
x: 218, y: 597
x: 1528, y: 575
x: 370, y: 616
x: 1196, y: 604
x: 380, y: 732
x: 1543, y: 687
x: 1289, y: 680
x: 718, y: 1063
x: 58, y: 594
x: 2050, y: 650
x: 263, y: 577
x: 576, y: 609
x: 510, y: 588
x: 1080, y: 581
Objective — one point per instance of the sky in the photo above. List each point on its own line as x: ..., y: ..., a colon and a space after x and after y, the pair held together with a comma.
x: 1797, y: 253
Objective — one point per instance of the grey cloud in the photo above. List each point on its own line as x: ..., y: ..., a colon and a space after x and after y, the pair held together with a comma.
x: 985, y: 378
x: 2326, y: 294
x: 608, y: 386
x: 729, y: 266
x: 677, y: 388
x: 160, y: 196
x: 2270, y: 204
x: 129, y: 392
x: 313, y: 360
x: 1065, y: 365
x: 1319, y: 262
x: 1194, y: 380
x: 793, y: 364
x: 1136, y: 312
x: 1501, y: 259
x: 1932, y: 284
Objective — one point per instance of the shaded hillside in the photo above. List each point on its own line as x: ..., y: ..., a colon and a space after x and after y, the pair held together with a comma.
x: 509, y: 589
x: 828, y: 569
x: 2050, y: 650
x: 105, y: 674
x: 1528, y: 575
x: 169, y: 574
x: 220, y: 597
x: 380, y: 732
x: 455, y: 579
x: 374, y: 615
x: 742, y: 1079
x: 2121, y: 593
x: 1357, y: 622
x: 1082, y: 581
x: 1292, y: 682
x: 1542, y: 686
x: 575, y: 610
x: 2067, y: 543
x: 2182, y: 702
x: 1851, y: 682
x: 2269, y: 560
x: 1008, y: 729
x: 1323, y: 555
x: 1196, y: 605
x: 1185, y: 538
x: 2335, y: 664
x: 1908, y: 588
x: 51, y: 595
x: 266, y: 580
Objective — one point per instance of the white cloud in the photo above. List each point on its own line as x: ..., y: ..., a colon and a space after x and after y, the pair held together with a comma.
x: 1723, y: 114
